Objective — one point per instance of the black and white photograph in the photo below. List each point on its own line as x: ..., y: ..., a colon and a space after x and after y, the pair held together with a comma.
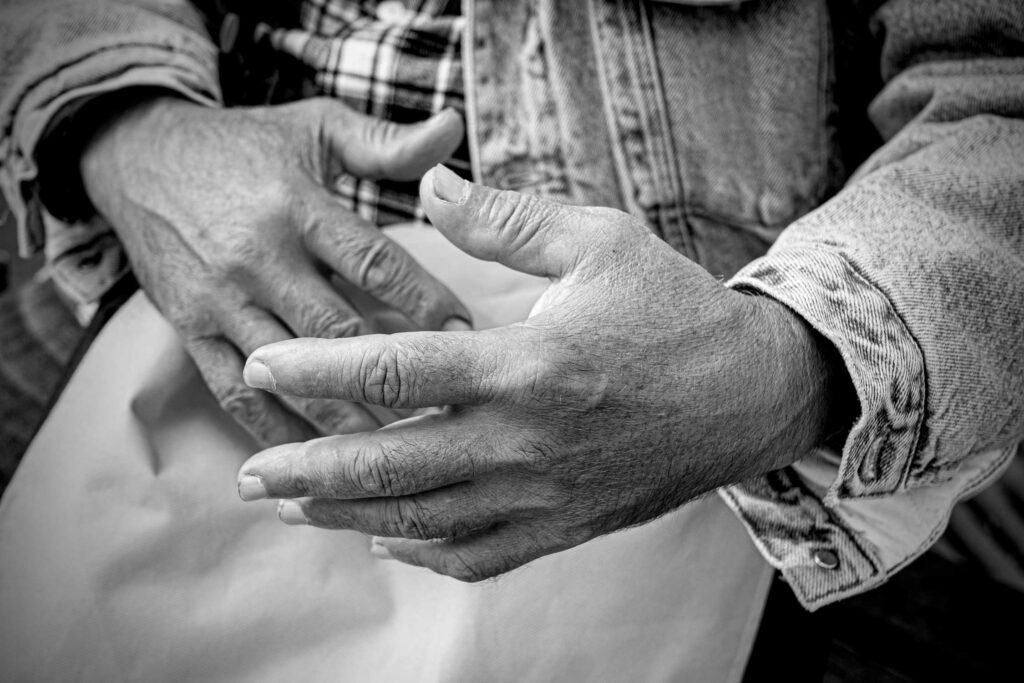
x: 485, y: 341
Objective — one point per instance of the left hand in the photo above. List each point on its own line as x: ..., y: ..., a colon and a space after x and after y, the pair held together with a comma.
x: 638, y: 383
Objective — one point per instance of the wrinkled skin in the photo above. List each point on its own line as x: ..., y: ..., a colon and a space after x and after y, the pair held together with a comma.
x: 637, y: 383
x: 227, y: 219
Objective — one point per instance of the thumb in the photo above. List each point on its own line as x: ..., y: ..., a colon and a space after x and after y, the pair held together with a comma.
x: 373, y: 148
x: 524, y: 232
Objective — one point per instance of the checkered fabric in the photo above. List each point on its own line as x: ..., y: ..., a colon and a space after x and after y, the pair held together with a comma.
x: 397, y: 60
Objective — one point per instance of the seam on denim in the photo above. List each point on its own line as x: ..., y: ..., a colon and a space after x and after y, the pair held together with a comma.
x: 880, y: 573
x: 825, y: 69
x: 797, y: 586
x: 622, y: 35
x: 834, y: 522
x: 469, y: 64
x: 665, y: 140
x: 923, y: 411
x: 625, y: 183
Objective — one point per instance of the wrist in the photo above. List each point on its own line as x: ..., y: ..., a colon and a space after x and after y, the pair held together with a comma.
x: 130, y: 123
x: 62, y: 149
x: 118, y: 118
x: 814, y: 388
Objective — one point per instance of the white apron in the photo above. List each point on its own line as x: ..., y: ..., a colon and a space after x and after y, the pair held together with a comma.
x: 126, y: 555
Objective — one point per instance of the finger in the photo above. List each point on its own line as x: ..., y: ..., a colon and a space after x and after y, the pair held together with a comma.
x: 306, y: 302
x: 443, y: 513
x: 423, y: 454
x: 471, y: 558
x: 260, y: 414
x: 407, y: 370
x: 249, y: 327
x: 252, y: 327
x: 358, y: 252
x: 521, y: 231
x: 371, y: 148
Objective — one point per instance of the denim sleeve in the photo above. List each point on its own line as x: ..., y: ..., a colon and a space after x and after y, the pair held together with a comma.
x: 55, y: 55
x: 915, y: 272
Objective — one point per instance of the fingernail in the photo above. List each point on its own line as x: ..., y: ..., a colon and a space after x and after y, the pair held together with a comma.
x: 290, y: 512
x: 456, y: 324
x: 429, y: 410
x: 250, y: 487
x: 449, y: 187
x: 378, y: 550
x: 257, y: 375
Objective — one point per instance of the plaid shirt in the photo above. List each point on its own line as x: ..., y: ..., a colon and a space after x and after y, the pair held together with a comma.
x: 399, y: 61
x: 395, y: 60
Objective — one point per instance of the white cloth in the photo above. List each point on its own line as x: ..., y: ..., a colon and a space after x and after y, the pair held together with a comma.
x: 126, y: 555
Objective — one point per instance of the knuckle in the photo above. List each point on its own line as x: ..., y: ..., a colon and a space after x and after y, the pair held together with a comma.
x: 240, y: 402
x: 373, y: 473
x: 237, y: 258
x: 329, y: 323
x: 383, y: 269
x: 379, y: 137
x: 565, y: 380
x: 383, y: 380
x: 516, y: 217
x: 379, y: 133
x: 412, y: 520
x: 194, y: 317
x: 379, y: 267
x: 323, y: 513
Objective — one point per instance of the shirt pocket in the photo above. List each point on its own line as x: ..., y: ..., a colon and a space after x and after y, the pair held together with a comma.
x: 748, y: 97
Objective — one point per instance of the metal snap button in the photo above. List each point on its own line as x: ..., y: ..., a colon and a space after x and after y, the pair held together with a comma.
x: 826, y: 559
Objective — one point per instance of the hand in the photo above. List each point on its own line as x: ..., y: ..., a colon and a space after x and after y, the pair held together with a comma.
x: 638, y: 383
x: 231, y: 229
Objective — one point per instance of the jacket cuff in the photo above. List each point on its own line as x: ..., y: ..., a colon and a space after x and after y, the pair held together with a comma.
x: 830, y: 552
x: 185, y: 66
x: 883, y: 360
x: 838, y: 524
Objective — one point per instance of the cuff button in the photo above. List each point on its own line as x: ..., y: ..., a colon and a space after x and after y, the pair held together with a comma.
x: 826, y: 559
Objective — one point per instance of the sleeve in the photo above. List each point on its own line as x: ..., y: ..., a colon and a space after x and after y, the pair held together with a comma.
x: 57, y: 55
x: 915, y: 273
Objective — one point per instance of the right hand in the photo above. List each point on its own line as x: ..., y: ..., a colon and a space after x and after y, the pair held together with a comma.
x: 228, y: 221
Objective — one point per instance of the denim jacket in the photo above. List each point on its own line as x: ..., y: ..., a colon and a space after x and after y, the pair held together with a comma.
x: 860, y: 162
